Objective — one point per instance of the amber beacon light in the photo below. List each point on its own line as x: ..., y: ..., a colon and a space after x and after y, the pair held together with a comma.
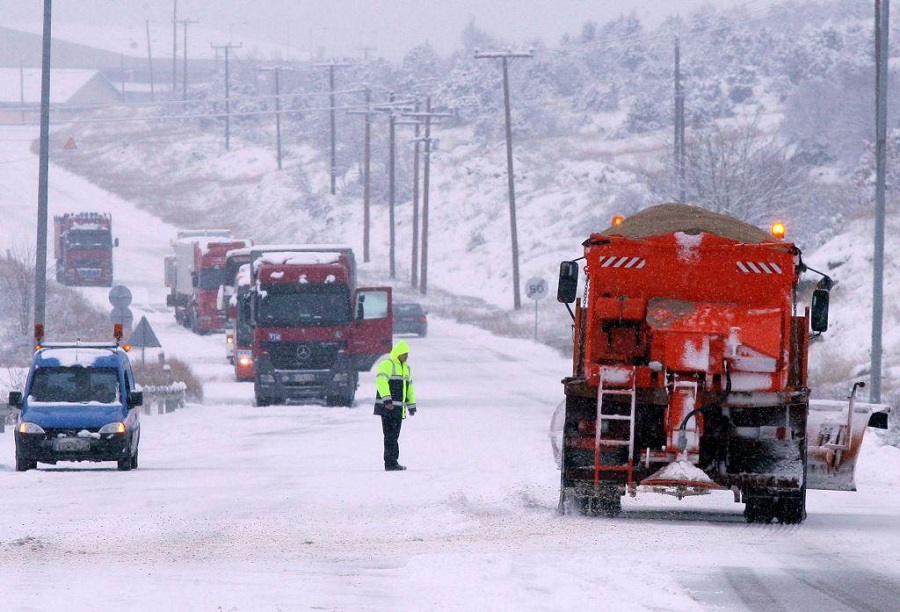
x: 778, y: 230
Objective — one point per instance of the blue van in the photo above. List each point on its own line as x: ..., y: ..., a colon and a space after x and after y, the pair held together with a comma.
x: 79, y: 404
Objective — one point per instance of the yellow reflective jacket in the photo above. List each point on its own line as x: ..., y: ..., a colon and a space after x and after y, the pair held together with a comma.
x: 394, y: 380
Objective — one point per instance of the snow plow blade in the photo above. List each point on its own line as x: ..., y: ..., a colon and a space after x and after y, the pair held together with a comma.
x: 834, y: 437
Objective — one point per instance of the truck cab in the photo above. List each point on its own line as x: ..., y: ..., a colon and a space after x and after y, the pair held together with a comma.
x: 79, y: 404
x: 313, y: 330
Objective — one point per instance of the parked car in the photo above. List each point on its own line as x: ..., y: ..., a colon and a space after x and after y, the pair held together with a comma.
x: 79, y: 404
x: 410, y: 318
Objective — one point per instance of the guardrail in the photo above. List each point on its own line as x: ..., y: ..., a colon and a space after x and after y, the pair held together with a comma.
x: 166, y: 398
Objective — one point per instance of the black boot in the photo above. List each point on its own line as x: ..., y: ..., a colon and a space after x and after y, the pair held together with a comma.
x: 394, y: 467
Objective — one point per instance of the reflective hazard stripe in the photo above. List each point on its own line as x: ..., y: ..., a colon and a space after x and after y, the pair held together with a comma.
x: 759, y: 267
x: 617, y: 261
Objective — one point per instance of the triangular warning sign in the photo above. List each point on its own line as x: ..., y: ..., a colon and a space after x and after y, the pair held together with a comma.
x: 70, y: 144
x: 143, y: 336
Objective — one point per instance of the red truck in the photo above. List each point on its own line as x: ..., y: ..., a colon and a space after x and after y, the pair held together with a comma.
x: 314, y: 330
x: 195, y: 274
x: 241, y: 328
x: 82, y: 247
x: 226, y: 300
x: 690, y: 368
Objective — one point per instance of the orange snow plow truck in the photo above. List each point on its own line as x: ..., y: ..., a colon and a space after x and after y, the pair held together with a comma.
x: 690, y: 369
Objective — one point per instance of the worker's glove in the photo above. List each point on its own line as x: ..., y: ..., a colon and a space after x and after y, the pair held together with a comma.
x: 411, y: 409
x: 388, y: 404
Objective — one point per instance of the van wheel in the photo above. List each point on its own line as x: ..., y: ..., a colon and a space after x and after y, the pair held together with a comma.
x: 23, y: 465
x: 124, y: 465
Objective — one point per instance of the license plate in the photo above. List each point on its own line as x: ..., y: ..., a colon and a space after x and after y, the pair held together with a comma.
x: 70, y: 445
x: 303, y: 378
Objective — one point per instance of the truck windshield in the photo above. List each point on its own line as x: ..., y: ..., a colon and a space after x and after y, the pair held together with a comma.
x: 88, y: 239
x: 75, y: 384
x: 294, y: 304
x: 213, y: 279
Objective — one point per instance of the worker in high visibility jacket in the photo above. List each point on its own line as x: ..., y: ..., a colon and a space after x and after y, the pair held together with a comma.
x: 395, y: 397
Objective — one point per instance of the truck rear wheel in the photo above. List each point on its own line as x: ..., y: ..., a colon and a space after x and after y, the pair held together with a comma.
x: 760, y: 510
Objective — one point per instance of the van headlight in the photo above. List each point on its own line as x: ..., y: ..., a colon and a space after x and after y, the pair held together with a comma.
x: 30, y: 428
x: 113, y: 428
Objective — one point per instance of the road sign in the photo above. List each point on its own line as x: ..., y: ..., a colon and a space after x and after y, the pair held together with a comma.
x: 536, y: 288
x: 143, y: 335
x: 122, y: 315
x: 120, y: 296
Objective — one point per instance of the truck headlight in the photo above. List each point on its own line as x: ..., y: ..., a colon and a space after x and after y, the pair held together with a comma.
x: 266, y: 378
x: 30, y: 428
x: 113, y: 428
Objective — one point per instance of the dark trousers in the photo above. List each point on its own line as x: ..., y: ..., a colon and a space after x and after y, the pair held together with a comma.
x: 391, y: 421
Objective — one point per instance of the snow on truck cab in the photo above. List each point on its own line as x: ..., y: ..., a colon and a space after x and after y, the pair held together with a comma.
x: 690, y: 363
x: 314, y: 330
x: 79, y: 404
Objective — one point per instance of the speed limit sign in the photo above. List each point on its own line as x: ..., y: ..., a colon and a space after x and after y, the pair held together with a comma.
x: 536, y: 288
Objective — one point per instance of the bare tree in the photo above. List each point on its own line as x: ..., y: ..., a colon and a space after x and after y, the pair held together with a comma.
x: 737, y: 171
x: 18, y: 273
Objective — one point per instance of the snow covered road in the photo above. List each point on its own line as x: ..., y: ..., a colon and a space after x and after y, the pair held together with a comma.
x: 238, y: 508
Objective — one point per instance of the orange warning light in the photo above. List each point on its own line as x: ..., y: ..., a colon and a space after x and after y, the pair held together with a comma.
x: 618, y: 220
x: 778, y: 230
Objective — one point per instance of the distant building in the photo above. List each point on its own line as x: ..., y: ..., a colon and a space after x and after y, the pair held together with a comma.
x: 21, y: 88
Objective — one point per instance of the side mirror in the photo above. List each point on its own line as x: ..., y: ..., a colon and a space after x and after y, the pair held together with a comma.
x: 15, y: 399
x: 568, y: 282
x: 116, y: 242
x: 136, y: 399
x: 878, y: 420
x: 819, y: 314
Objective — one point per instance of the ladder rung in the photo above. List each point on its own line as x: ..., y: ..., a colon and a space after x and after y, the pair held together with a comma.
x: 612, y: 468
x: 614, y: 417
x: 604, y: 442
x: 616, y: 391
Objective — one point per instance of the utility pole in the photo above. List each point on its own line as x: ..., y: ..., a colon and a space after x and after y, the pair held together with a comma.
x: 414, y: 275
x: 174, y: 47
x: 426, y: 117
x: 227, y: 48
x: 122, y: 75
x: 505, y: 56
x: 185, y: 22
x: 40, y: 259
x: 150, y: 63
x: 331, y: 103
x: 392, y: 109
x: 367, y: 166
x: 679, y: 125
x: 22, y: 86
x: 277, y: 72
x: 882, y: 29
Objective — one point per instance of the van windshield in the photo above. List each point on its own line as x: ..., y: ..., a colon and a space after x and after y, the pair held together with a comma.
x: 75, y: 384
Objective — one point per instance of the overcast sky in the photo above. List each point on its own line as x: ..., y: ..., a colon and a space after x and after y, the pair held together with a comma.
x: 343, y: 27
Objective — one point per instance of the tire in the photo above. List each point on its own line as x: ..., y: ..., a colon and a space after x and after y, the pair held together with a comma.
x: 760, y: 510
x: 124, y: 465
x: 23, y: 465
x: 609, y: 502
x: 262, y: 401
x: 134, y: 461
